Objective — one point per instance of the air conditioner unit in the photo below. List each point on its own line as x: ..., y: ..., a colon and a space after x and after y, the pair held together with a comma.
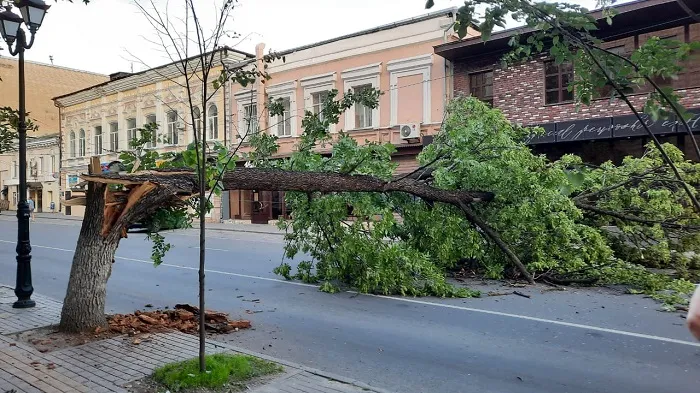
x: 410, y: 131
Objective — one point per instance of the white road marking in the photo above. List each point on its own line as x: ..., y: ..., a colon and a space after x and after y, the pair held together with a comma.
x: 234, y: 238
x: 415, y: 301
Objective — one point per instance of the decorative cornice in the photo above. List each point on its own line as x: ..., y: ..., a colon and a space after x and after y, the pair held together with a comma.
x: 318, y: 80
x: 362, y: 72
x: 410, y: 63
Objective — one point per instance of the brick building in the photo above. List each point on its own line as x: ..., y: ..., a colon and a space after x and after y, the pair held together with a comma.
x: 534, y: 92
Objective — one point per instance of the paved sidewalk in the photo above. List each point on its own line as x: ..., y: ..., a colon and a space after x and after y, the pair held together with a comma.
x: 113, y: 365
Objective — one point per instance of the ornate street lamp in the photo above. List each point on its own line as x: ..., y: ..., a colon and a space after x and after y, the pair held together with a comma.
x: 33, y: 12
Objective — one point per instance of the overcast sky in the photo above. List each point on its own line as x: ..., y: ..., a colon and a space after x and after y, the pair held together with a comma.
x: 98, y: 37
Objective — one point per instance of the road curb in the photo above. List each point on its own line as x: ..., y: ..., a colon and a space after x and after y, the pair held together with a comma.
x: 315, y: 371
x: 241, y: 230
x: 59, y: 216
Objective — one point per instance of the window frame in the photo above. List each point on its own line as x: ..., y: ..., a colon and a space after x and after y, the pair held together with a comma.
x: 288, y: 91
x: 473, y: 86
x: 562, y: 90
x: 171, y: 127
x: 197, y: 125
x: 131, y: 132
x: 114, y: 136
x: 284, y: 119
x: 367, y: 111
x: 213, y: 122
x: 250, y: 120
x: 243, y: 99
x: 71, y: 144
x: 318, y: 84
x: 98, y: 146
x: 154, y: 141
x: 81, y: 143
x: 352, y: 78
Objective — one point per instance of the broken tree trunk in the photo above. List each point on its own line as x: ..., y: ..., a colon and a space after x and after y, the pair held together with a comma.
x: 84, y: 305
x: 105, y: 223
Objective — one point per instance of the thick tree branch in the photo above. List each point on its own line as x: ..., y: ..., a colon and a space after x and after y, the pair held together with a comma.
x: 491, y: 234
x: 625, y: 217
x: 260, y: 179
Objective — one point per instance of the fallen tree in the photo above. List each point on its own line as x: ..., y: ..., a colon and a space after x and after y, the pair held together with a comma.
x: 110, y: 211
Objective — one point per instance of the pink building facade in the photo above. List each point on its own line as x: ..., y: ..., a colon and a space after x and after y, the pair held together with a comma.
x: 397, y: 59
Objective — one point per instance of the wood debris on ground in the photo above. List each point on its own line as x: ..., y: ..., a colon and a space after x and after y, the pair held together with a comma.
x: 184, y: 318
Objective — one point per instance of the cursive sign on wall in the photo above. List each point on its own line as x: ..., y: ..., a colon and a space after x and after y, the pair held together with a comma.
x: 582, y: 130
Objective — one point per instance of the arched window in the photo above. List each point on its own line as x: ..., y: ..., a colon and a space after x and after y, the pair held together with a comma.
x: 197, y: 123
x: 71, y: 141
x: 213, y: 122
x: 172, y: 128
x: 81, y: 143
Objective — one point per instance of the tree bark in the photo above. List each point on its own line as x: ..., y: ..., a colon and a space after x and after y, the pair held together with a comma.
x: 185, y: 181
x: 84, y: 304
x: 476, y: 220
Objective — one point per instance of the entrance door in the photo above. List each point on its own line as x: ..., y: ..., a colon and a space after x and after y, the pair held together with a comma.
x: 68, y: 196
x: 260, y: 208
x: 38, y: 200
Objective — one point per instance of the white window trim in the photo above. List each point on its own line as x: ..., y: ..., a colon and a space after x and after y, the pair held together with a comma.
x: 284, y: 90
x: 419, y: 65
x: 209, y: 118
x: 243, y: 99
x: 151, y: 145
x: 102, y: 140
x: 176, y: 128
x: 317, y: 84
x: 353, y: 77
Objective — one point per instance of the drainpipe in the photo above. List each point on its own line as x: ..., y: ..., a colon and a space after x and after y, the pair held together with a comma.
x: 260, y: 87
x: 226, y: 108
x: 448, y: 66
x: 60, y: 154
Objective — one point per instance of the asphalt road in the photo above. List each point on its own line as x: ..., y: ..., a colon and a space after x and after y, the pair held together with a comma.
x: 572, y: 341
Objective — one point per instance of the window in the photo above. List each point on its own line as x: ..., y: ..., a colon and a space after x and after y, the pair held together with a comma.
x: 131, y: 131
x: 15, y: 169
x: 250, y: 119
x: 197, y: 123
x: 40, y: 166
x: 114, y: 137
x: 318, y: 102
x: 98, y: 140
x: 363, y: 113
x: 284, y: 121
x: 172, y: 128
x: 81, y: 143
x: 151, y: 119
x: 52, y: 168
x: 71, y: 143
x: 213, y: 122
x: 556, y: 82
x: 481, y: 86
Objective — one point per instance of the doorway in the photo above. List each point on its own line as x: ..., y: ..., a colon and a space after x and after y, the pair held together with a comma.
x: 260, y: 206
x: 38, y: 200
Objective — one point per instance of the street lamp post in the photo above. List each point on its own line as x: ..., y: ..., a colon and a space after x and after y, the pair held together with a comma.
x: 33, y: 12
